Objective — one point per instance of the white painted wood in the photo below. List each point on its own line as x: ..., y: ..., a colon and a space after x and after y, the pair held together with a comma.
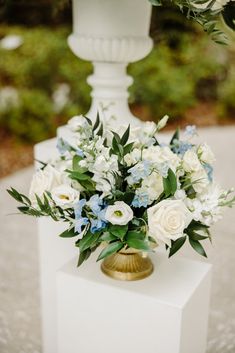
x: 54, y: 252
x: 165, y: 313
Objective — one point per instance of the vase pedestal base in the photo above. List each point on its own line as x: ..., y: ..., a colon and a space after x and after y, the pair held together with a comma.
x: 127, y: 266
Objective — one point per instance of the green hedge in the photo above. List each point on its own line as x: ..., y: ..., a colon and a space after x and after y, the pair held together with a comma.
x: 172, y: 79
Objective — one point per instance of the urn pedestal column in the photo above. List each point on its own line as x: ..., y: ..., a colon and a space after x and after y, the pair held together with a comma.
x: 111, y: 34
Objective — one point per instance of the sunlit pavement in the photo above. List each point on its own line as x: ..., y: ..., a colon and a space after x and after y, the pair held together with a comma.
x: 19, y: 287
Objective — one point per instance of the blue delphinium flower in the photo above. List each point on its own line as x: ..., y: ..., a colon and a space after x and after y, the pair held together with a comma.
x: 209, y: 170
x: 79, y: 220
x: 140, y: 200
x: 139, y: 171
x: 181, y: 147
x: 62, y: 146
x: 78, y: 208
x: 79, y: 223
x: 95, y: 203
x: 97, y: 225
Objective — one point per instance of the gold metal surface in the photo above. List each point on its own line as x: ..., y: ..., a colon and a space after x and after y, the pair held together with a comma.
x: 127, y: 265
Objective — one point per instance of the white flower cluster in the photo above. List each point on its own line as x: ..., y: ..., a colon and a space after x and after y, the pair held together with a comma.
x: 133, y: 181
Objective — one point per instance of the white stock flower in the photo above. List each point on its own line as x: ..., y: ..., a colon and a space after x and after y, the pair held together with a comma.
x: 45, y: 180
x: 205, y: 154
x: 199, y: 180
x: 191, y: 162
x: 133, y: 157
x: 119, y: 213
x: 64, y: 195
x: 159, y: 155
x: 206, y: 208
x: 167, y: 220
x: 143, y: 135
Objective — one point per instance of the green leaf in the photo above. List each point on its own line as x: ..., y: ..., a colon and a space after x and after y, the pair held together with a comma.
x: 100, y: 131
x: 128, y: 148
x: 118, y: 231
x: 88, y: 241
x: 170, y: 183
x: 23, y: 209
x: 110, y: 249
x: 76, y: 166
x: 125, y: 136
x: 83, y: 256
x: 68, y: 233
x: 197, y: 247
x: 175, y: 136
x: 15, y: 194
x: 117, y: 137
x: 108, y: 237
x: 176, y: 245
x: 138, y: 244
x: 167, y: 187
x: 133, y: 234
x: 77, y: 175
x: 97, y: 122
x: 194, y: 235
x: 88, y: 120
x: 87, y: 184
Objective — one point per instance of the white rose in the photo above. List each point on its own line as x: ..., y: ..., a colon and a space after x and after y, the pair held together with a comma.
x: 191, y: 162
x: 45, y: 180
x: 64, y: 195
x: 119, y: 213
x: 167, y: 220
x: 205, y: 154
x: 199, y: 180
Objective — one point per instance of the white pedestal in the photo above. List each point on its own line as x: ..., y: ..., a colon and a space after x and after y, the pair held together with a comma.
x: 54, y: 252
x: 165, y: 313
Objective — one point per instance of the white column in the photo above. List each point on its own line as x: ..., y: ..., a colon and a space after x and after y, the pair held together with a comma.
x: 111, y: 34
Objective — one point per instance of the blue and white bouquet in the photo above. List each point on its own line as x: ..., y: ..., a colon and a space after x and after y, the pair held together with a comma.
x: 128, y: 190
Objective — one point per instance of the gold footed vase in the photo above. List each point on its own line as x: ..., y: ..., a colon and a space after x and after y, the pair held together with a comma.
x: 127, y: 265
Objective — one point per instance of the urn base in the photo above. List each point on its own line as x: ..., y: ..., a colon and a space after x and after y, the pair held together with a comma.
x: 127, y: 265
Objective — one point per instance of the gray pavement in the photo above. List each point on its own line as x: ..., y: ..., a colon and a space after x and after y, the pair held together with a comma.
x: 19, y: 287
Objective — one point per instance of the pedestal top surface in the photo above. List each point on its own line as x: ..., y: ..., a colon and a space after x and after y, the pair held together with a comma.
x: 173, y: 281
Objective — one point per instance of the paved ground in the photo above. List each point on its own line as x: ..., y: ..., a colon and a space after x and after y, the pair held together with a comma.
x: 19, y: 296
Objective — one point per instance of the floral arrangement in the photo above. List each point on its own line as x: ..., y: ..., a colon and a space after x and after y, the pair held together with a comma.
x: 128, y: 190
